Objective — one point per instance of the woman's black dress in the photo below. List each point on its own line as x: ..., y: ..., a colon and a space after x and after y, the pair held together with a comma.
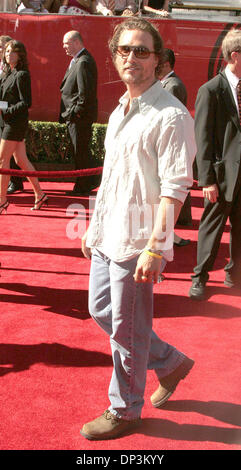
x: 15, y: 88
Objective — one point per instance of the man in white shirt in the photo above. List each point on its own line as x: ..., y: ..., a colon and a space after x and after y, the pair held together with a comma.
x: 218, y: 136
x: 150, y: 148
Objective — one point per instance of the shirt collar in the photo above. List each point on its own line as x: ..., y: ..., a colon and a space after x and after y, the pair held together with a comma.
x: 232, y: 78
x: 166, y: 76
x: 77, y: 55
x: 146, y: 100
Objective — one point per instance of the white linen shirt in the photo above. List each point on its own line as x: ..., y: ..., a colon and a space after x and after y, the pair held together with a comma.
x: 149, y: 154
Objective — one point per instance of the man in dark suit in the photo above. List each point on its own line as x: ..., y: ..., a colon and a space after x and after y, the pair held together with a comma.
x: 172, y: 83
x: 79, y: 106
x: 218, y: 136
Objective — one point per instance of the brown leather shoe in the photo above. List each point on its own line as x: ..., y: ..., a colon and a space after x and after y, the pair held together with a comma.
x: 169, y: 383
x: 108, y: 426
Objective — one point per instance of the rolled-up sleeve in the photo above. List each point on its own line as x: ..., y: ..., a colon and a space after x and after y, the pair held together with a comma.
x: 176, y: 149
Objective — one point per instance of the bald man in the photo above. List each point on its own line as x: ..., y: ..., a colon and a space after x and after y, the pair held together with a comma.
x: 78, y: 107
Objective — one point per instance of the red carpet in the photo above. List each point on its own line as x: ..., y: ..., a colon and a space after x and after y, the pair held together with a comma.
x: 55, y: 363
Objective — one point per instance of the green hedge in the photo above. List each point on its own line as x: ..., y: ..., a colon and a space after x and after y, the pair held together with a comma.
x: 49, y: 142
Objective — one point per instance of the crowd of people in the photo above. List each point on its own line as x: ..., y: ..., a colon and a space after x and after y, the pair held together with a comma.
x: 148, y: 171
x: 88, y: 7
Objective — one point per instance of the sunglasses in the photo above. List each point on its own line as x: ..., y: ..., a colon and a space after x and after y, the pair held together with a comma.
x: 141, y: 52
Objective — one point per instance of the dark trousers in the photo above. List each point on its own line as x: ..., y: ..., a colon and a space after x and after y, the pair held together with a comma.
x: 185, y: 216
x: 211, y: 228
x: 80, y: 136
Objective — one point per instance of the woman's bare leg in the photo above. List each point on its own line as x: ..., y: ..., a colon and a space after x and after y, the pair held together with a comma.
x: 7, y: 147
x: 165, y: 5
x: 22, y: 160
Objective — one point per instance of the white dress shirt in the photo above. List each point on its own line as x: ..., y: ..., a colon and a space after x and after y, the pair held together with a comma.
x: 73, y: 60
x: 233, y: 82
x: 149, y: 154
x: 166, y: 77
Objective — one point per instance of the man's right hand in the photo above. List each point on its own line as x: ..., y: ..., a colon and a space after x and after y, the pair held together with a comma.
x: 85, y: 249
x: 211, y: 192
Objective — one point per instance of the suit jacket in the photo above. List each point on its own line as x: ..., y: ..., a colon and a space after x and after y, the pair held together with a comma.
x: 218, y: 136
x: 176, y: 87
x: 15, y: 88
x: 79, y: 91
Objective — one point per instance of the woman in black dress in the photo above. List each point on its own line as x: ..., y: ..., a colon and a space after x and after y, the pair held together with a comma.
x: 15, y: 97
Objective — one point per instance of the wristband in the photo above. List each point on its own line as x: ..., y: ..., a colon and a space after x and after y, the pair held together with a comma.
x: 155, y: 255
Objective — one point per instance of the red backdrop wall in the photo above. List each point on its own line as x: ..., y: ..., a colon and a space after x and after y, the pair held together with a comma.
x: 196, y: 45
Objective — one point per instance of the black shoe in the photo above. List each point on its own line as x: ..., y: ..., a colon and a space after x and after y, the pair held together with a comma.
x: 197, y: 291
x: 182, y: 242
x: 78, y: 192
x: 13, y: 187
x: 185, y: 222
x: 230, y: 282
x: 74, y: 192
x: 81, y: 192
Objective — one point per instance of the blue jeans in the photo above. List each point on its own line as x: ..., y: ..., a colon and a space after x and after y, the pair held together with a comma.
x: 124, y: 310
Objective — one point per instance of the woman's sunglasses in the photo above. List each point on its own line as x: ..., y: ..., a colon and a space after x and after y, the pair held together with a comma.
x: 141, y: 52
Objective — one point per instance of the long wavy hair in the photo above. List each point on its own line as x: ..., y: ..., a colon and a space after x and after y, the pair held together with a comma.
x: 19, y: 48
